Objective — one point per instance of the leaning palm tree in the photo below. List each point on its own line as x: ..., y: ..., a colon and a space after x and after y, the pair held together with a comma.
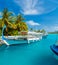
x: 5, y: 19
x: 5, y: 15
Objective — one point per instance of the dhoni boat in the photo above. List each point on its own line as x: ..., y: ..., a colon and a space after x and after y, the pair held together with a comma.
x: 30, y: 37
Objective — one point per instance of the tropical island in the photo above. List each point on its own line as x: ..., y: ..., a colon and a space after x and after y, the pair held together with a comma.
x: 16, y: 29
x: 14, y: 24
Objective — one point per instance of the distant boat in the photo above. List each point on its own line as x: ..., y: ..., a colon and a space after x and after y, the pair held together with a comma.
x: 45, y: 35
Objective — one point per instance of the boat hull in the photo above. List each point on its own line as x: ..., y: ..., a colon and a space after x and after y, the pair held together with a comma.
x: 12, y: 40
x: 54, y: 48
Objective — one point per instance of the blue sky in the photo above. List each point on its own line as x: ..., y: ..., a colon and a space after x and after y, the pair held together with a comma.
x: 39, y: 14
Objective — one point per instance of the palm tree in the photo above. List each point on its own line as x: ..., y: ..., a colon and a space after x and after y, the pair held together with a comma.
x: 43, y: 31
x: 13, y: 28
x: 21, y: 26
x: 5, y: 19
x: 19, y: 19
x: 6, y: 14
x: 18, y: 22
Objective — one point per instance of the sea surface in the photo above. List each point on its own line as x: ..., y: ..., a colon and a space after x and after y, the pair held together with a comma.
x: 37, y: 53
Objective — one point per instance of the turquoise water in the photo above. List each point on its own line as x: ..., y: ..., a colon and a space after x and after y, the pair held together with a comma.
x: 37, y: 53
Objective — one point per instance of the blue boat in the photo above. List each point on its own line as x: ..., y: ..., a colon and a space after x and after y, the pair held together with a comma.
x: 54, y: 48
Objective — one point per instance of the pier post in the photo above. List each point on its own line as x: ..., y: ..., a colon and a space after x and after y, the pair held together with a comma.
x: 28, y: 42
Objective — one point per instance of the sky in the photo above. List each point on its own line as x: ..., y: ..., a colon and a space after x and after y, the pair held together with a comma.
x: 38, y: 14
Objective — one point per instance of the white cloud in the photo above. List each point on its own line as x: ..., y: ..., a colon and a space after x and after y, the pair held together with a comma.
x: 28, y: 6
x: 31, y: 22
x: 35, y: 7
x: 32, y: 12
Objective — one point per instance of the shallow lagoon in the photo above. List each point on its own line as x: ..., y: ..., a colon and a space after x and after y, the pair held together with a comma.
x: 37, y: 53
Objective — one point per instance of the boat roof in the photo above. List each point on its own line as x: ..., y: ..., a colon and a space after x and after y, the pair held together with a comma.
x: 29, y: 32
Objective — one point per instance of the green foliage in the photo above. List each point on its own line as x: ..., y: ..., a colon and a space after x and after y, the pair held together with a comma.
x: 0, y: 23
x: 31, y: 29
x: 43, y: 31
x: 12, y: 19
x: 14, y: 24
x: 0, y: 32
x: 38, y: 30
x: 13, y: 32
x: 19, y: 19
x: 6, y: 14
